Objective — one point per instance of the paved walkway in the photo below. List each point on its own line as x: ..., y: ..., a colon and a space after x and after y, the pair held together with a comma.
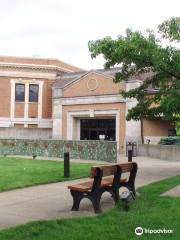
x: 174, y: 192
x: 53, y: 201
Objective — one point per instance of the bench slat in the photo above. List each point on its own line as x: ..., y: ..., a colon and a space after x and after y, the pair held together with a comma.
x: 126, y: 167
x: 107, y: 170
x: 87, y: 186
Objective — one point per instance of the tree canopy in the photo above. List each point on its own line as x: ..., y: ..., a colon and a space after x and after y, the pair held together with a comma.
x: 156, y: 55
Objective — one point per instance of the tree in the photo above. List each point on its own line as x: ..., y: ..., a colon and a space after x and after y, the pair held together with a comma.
x: 156, y: 55
x: 178, y: 128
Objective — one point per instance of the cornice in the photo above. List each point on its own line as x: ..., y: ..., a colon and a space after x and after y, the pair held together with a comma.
x: 28, y: 73
x: 34, y: 67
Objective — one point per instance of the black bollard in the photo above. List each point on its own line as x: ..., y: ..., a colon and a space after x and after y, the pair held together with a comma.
x: 66, y: 165
x: 130, y: 155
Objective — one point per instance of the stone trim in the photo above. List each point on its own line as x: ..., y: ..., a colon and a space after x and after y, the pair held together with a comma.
x: 94, y: 82
x: 40, y: 99
x: 30, y: 74
x: 9, y: 122
x: 27, y: 82
x: 57, y: 119
x: 95, y: 113
x: 93, y: 99
x: 133, y: 128
x: 34, y: 66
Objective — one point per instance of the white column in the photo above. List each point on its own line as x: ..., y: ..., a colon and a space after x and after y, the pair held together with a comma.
x: 57, y: 119
x: 40, y: 98
x: 117, y: 129
x: 78, y: 129
x: 12, y: 109
x: 133, y: 128
x: 69, y: 126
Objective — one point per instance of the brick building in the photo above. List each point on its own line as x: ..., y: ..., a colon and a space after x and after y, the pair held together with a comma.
x: 47, y: 98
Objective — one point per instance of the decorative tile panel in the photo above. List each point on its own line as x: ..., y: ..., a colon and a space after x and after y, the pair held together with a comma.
x: 87, y: 150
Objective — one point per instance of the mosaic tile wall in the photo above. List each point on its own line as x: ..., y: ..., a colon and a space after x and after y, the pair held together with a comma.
x: 87, y: 150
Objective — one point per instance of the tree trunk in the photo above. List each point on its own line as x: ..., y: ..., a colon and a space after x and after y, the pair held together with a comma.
x: 142, y: 130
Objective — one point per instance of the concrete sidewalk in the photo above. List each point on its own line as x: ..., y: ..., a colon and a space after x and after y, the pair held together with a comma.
x: 53, y: 201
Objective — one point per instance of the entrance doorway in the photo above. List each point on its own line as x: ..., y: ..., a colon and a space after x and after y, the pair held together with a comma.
x: 91, y: 129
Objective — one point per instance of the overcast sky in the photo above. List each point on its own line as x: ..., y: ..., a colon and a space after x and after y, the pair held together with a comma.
x: 62, y: 28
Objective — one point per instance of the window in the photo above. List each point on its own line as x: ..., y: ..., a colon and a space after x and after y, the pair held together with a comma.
x: 19, y: 92
x: 33, y: 92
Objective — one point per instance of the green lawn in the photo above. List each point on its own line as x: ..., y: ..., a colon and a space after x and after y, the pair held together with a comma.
x: 150, y: 210
x: 18, y: 173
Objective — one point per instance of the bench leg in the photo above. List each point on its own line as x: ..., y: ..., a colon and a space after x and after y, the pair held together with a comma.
x: 95, y: 199
x: 132, y: 177
x: 133, y: 189
x: 76, y: 200
x: 115, y: 195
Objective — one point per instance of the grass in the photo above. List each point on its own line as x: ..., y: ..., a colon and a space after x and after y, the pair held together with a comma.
x: 19, y: 173
x: 150, y: 210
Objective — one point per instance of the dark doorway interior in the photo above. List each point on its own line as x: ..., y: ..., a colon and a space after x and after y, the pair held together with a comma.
x: 92, y: 128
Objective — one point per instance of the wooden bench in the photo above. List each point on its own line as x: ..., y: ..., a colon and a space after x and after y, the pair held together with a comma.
x: 106, y: 178
x: 130, y: 167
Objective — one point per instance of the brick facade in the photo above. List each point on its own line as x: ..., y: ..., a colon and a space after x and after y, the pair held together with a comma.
x: 5, y: 96
x: 93, y: 84
x: 66, y: 95
x: 28, y: 71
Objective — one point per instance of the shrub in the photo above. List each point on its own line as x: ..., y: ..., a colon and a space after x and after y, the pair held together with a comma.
x: 170, y: 141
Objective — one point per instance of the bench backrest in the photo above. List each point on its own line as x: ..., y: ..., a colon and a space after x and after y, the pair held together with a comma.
x: 116, y: 169
x: 111, y: 169
x: 107, y: 170
x: 126, y: 167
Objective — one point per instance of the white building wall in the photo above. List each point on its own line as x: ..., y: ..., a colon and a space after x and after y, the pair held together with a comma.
x: 57, y: 119
x: 26, y: 133
x: 133, y: 128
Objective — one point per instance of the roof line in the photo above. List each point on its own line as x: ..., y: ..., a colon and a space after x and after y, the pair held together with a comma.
x: 41, y: 58
x: 82, y: 76
x: 35, y: 66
